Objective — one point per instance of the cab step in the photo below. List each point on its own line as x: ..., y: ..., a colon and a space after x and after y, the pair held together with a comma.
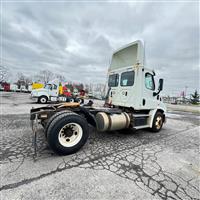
x: 141, y: 127
x: 140, y: 120
x: 140, y: 115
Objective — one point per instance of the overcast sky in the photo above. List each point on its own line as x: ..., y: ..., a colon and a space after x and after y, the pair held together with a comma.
x: 77, y: 39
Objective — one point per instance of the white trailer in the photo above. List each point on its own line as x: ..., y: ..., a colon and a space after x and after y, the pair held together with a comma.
x: 13, y: 87
x: 133, y: 102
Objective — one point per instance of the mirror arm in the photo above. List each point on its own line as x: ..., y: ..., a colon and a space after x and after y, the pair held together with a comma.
x: 156, y: 93
x: 160, y: 88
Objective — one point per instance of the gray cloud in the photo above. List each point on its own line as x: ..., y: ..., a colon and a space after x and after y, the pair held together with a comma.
x: 77, y: 39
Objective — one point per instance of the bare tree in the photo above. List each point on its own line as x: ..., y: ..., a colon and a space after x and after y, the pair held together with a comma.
x: 23, y: 80
x: 37, y: 78
x: 20, y: 79
x: 21, y: 76
x: 60, y: 77
x: 45, y: 76
x: 4, y: 74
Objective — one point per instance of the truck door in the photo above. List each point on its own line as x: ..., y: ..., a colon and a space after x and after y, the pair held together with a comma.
x: 54, y: 90
x: 113, y: 82
x: 126, y: 84
x: 149, y: 101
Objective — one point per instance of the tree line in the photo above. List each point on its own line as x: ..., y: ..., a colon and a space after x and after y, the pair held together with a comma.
x: 43, y: 76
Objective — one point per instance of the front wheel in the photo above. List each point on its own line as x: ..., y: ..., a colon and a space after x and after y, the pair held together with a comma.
x: 157, y: 122
x: 43, y: 99
x: 67, y: 133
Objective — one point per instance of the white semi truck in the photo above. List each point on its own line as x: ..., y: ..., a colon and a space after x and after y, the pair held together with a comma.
x: 133, y: 102
x: 51, y: 93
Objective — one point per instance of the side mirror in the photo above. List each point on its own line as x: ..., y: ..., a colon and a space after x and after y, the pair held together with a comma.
x: 160, y: 88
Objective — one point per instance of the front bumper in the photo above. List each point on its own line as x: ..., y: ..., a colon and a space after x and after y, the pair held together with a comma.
x: 34, y: 98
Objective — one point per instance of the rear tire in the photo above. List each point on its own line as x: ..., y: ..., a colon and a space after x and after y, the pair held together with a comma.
x: 71, y: 100
x: 81, y: 101
x: 43, y: 99
x: 67, y: 133
x: 52, y: 118
x: 157, y: 122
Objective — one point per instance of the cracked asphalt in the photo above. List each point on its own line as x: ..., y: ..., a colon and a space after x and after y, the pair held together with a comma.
x: 112, y: 165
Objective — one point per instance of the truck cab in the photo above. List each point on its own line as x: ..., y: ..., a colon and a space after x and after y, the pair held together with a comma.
x: 130, y: 83
x: 52, y: 89
x: 49, y: 92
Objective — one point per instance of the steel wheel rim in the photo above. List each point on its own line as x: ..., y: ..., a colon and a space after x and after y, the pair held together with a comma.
x: 43, y: 100
x: 158, y: 122
x: 70, y: 134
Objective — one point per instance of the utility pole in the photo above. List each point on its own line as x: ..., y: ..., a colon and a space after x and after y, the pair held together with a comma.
x: 185, y: 93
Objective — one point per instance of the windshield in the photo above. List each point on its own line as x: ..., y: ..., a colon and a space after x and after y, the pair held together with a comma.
x: 48, y: 86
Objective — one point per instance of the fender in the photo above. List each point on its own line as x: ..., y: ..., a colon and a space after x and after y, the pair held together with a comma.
x: 89, y: 117
x: 152, y: 114
x: 43, y: 94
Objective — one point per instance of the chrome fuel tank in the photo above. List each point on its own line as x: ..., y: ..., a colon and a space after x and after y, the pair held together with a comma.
x: 111, y: 122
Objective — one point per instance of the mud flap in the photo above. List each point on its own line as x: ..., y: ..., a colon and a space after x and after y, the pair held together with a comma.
x: 34, y: 126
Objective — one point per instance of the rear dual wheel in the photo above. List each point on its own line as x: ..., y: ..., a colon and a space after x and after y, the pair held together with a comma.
x: 67, y: 133
x: 52, y: 118
x: 70, y: 134
x: 79, y: 100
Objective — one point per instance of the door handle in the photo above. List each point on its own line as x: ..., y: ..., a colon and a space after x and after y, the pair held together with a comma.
x: 126, y: 93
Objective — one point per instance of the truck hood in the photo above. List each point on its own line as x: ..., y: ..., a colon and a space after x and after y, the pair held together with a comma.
x: 37, y: 91
x: 40, y: 90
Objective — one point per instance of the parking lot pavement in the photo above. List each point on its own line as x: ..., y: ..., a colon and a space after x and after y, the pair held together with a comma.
x: 188, y: 108
x: 112, y: 165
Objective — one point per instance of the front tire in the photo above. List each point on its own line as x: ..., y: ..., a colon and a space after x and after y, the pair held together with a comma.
x: 43, y: 99
x: 157, y: 122
x: 67, y: 133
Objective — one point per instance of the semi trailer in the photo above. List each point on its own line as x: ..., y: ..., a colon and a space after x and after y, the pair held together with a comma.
x: 132, y: 102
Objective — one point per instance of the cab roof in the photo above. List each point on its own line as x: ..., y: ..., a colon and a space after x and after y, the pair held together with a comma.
x: 129, y: 55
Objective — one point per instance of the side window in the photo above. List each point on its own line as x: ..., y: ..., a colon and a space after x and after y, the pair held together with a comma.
x: 127, y: 78
x: 54, y: 87
x: 149, y: 81
x: 113, y: 80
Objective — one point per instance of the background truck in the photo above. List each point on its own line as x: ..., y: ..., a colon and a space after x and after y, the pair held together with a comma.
x: 37, y: 85
x: 53, y: 92
x: 132, y: 102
